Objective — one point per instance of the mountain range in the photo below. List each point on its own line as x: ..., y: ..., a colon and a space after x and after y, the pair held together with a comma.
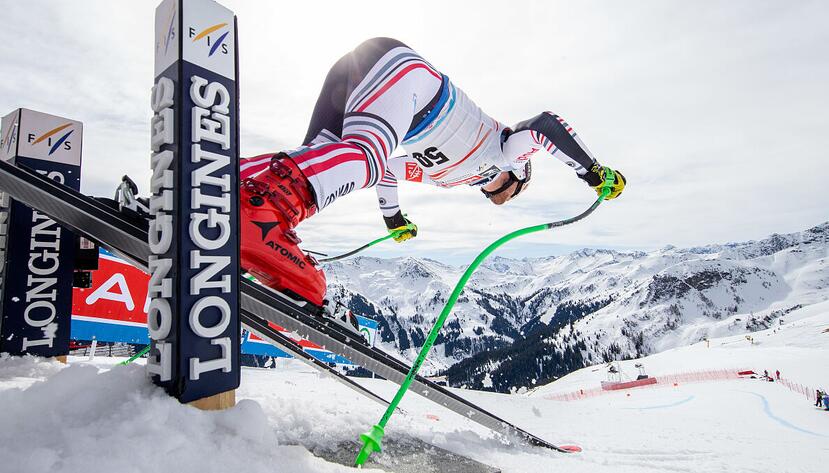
x: 521, y: 323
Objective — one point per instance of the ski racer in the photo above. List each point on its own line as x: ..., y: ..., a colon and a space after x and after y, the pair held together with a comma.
x: 380, y: 96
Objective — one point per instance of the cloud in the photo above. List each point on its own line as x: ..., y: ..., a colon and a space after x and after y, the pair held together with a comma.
x: 717, y: 114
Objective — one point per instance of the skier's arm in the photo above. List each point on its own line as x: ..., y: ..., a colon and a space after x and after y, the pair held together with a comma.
x: 551, y: 133
x: 408, y: 169
x: 387, y: 196
x: 398, y: 167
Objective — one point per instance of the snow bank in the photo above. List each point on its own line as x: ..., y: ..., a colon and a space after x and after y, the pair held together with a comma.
x: 97, y: 416
x: 81, y: 418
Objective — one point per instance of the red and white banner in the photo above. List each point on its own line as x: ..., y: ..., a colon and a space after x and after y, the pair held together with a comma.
x: 114, y: 309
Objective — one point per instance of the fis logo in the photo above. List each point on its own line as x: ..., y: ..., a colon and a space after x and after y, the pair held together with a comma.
x: 168, y: 34
x: 8, y: 140
x: 49, y: 137
x: 214, y: 42
x: 414, y: 173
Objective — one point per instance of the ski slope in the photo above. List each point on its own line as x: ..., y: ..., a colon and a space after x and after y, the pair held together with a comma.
x: 99, y: 416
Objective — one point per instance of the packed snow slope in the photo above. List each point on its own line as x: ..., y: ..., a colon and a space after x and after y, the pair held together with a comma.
x: 798, y: 347
x: 586, y: 307
x: 100, y: 417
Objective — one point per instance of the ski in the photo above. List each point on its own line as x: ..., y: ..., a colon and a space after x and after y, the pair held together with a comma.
x: 128, y: 239
x: 261, y: 301
x: 131, y: 232
x: 284, y: 343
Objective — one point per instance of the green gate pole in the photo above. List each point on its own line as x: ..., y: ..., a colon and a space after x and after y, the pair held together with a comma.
x: 372, y: 440
x: 136, y: 356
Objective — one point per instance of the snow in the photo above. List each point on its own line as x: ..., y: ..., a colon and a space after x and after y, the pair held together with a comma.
x: 799, y: 348
x: 97, y: 415
x: 672, y: 297
x: 82, y: 417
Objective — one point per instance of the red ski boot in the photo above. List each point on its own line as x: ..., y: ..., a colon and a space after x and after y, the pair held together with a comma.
x: 273, y: 203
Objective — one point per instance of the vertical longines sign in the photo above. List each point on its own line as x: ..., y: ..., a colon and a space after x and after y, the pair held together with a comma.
x: 193, y: 316
x: 39, y: 254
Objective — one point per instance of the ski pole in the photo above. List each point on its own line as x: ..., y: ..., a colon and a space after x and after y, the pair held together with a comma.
x: 372, y: 440
x: 394, y: 234
x: 136, y: 356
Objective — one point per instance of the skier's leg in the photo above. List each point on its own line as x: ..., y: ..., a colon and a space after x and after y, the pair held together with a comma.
x: 327, y: 119
x: 326, y: 123
x: 386, y: 83
x: 273, y: 204
x: 373, y: 93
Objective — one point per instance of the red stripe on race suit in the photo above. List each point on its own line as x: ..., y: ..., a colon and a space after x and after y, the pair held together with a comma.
x: 376, y: 152
x: 354, y: 153
x: 394, y: 80
x: 382, y: 143
x: 381, y: 161
x: 315, y: 153
x: 314, y: 169
x: 254, y: 170
x: 468, y: 180
x: 254, y: 165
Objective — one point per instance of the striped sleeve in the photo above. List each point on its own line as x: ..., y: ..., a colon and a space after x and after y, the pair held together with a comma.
x: 398, y: 167
x: 549, y: 132
x: 387, y: 193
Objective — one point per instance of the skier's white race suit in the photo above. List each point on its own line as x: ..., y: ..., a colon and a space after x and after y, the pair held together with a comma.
x: 383, y: 95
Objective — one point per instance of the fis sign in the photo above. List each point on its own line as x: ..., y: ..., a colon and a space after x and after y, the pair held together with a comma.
x: 39, y: 254
x: 193, y: 313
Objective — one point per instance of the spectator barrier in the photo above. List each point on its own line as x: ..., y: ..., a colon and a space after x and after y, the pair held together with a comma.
x: 679, y: 378
x: 662, y: 380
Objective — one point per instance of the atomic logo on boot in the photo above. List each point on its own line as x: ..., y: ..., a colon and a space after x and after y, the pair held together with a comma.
x: 266, y: 227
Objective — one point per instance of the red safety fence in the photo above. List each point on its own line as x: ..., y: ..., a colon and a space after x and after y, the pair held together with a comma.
x: 798, y: 388
x: 681, y: 378
x: 795, y: 387
x: 575, y: 395
x: 615, y: 386
x: 661, y: 380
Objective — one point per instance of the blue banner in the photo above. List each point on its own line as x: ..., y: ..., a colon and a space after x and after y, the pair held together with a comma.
x: 193, y: 316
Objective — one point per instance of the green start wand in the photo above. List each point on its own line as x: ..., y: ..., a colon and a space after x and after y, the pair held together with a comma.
x: 393, y: 234
x: 372, y: 440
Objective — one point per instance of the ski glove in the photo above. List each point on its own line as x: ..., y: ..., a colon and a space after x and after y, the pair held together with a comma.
x: 595, y: 177
x: 401, y: 227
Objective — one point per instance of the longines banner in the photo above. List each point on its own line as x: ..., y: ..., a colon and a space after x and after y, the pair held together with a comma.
x: 193, y: 314
x: 39, y: 254
x: 114, y: 309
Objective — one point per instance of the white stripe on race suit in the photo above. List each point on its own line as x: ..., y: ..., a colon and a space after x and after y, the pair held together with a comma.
x: 323, y: 157
x: 371, y: 84
x: 250, y: 162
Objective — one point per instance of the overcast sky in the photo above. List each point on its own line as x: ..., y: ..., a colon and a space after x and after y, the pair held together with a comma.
x: 716, y: 112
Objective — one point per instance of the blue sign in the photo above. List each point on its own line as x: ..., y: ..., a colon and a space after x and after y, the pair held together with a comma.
x: 193, y: 316
x: 39, y: 253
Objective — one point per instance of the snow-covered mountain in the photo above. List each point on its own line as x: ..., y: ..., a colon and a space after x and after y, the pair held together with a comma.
x: 524, y: 322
